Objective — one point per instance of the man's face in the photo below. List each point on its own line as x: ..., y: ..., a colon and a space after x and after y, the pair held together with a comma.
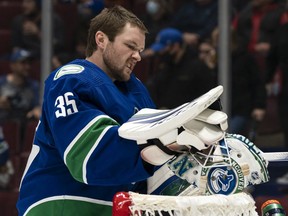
x: 29, y: 6
x: 205, y: 50
x: 21, y: 68
x: 121, y: 55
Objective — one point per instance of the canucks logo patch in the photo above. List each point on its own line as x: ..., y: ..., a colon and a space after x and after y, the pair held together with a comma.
x: 225, y: 180
x: 68, y: 69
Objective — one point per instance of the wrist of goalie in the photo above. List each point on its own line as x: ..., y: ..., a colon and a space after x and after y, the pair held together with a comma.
x: 155, y: 153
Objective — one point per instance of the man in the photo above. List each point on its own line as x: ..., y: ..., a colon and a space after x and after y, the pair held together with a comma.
x: 78, y: 160
x: 19, y: 99
x: 19, y: 94
x: 196, y: 19
x: 6, y: 166
x: 176, y: 81
x: 26, y: 29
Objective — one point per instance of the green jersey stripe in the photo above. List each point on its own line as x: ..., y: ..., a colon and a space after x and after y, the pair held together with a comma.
x: 80, y: 149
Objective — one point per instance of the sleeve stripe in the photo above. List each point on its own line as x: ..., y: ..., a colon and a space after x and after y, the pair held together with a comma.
x: 74, y: 141
x: 84, y: 170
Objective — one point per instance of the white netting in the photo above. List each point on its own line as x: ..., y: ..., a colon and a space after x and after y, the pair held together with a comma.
x: 240, y: 204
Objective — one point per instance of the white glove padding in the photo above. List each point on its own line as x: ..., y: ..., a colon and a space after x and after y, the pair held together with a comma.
x: 200, y: 133
x: 214, y: 117
x: 159, y: 151
x: 155, y: 156
x: 207, y: 128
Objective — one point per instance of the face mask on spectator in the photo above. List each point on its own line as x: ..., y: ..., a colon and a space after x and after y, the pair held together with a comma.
x: 152, y: 7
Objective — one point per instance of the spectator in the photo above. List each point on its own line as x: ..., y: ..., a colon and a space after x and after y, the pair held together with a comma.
x: 196, y: 19
x: 239, y: 5
x: 87, y: 9
x: 60, y: 59
x: 18, y: 100
x: 6, y: 167
x: 19, y: 94
x: 248, y: 88
x: 277, y: 58
x: 277, y: 63
x: 175, y: 82
x: 158, y: 15
x: 256, y: 26
x: 26, y: 29
x: 80, y: 46
x: 207, y: 54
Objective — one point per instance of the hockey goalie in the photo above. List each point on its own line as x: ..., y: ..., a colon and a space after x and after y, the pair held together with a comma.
x: 194, y: 153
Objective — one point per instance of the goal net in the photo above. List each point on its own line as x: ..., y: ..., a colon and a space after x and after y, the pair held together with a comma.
x: 130, y: 203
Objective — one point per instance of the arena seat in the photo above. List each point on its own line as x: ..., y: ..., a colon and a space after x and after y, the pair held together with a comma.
x: 8, y: 201
x: 4, y: 67
x: 11, y: 130
x: 35, y: 72
x: 5, y: 45
x: 30, y: 128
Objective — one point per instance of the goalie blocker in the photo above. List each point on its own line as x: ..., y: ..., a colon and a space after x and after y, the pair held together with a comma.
x: 162, y: 134
x: 197, y: 134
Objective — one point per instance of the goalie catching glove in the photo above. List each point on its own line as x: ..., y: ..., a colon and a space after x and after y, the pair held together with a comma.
x: 238, y: 164
x: 206, y: 129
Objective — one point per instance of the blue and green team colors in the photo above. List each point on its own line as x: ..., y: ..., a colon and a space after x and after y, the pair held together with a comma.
x: 78, y: 161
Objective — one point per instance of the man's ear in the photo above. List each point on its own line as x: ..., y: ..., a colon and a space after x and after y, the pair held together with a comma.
x: 101, y: 39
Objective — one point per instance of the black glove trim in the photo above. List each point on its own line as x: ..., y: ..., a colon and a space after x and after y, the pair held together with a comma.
x: 159, y: 144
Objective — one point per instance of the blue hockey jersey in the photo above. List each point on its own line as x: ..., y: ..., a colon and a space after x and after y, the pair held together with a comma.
x: 78, y: 161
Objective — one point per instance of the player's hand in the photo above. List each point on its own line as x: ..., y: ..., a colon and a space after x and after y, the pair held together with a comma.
x: 191, y: 38
x: 258, y: 114
x: 34, y: 113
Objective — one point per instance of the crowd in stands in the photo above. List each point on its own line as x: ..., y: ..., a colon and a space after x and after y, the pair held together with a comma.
x: 255, y: 26
x: 180, y: 56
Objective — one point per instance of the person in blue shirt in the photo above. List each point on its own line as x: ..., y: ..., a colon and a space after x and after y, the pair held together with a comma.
x: 19, y: 100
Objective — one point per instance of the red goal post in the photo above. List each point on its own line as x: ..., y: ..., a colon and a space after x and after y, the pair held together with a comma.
x: 130, y: 204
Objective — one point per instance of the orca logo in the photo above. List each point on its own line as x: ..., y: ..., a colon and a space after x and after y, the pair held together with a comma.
x: 221, y: 180
x: 224, y: 179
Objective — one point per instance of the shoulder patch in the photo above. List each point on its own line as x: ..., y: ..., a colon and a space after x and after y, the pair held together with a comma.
x: 68, y: 69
